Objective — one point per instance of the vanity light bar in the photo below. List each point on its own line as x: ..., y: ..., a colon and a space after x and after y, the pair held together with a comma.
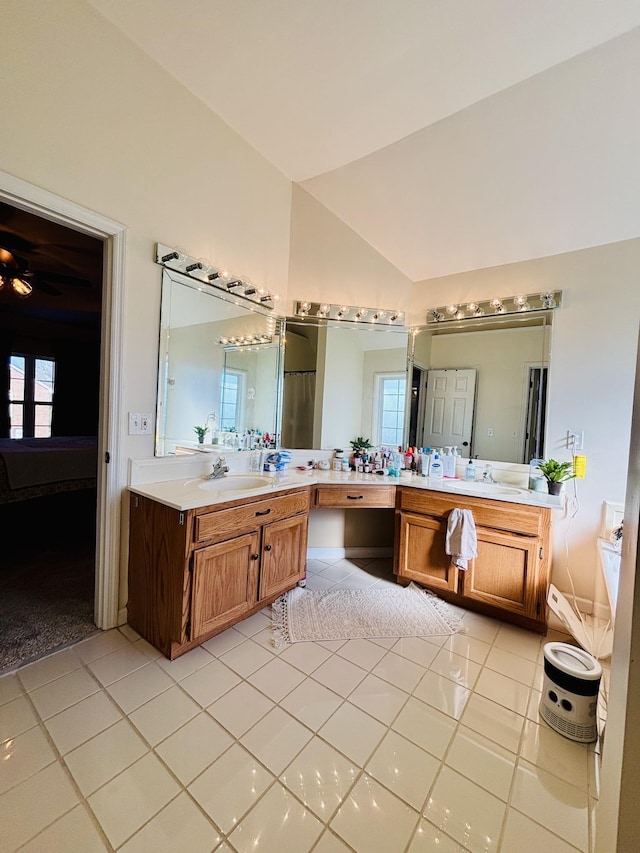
x: 350, y: 313
x: 520, y: 304
x: 200, y: 269
x: 245, y: 340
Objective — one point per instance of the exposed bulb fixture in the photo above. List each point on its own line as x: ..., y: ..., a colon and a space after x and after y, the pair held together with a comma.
x: 14, y: 274
x: 348, y: 313
x: 548, y: 300
x: 505, y: 305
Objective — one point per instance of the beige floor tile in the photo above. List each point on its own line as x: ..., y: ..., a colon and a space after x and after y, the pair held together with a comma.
x: 223, y: 642
x: 132, y: 798
x: 100, y: 644
x: 194, y: 747
x: 320, y: 777
x: 161, y: 716
x: 104, y: 756
x: 481, y: 627
x: 139, y: 687
x: 397, y: 670
x: 430, y: 839
x: 338, y: 571
x: 23, y: 756
x: 425, y: 726
x: 466, y: 812
x: 305, y: 656
x: 246, y: 658
x: 47, y: 669
x: 504, y: 691
x: 10, y: 688
x: 551, y: 751
x: 57, y: 695
x: 240, y: 708
x: 352, y: 732
x: 445, y: 695
x: 277, y: 823
x: 230, y: 786
x: 513, y: 666
x: 249, y: 627
x: 378, y: 698
x: 404, y: 769
x: 358, y: 580
x: 82, y: 721
x: 493, y: 721
x: 525, y: 836
x: 484, y: 762
x: 276, y: 739
x: 118, y: 664
x: 416, y: 649
x: 525, y: 644
x: 180, y: 826
x: 467, y: 647
x: 16, y: 717
x: 75, y: 832
x: 560, y: 807
x: 21, y: 819
x: 371, y: 818
x: 276, y: 679
x: 362, y: 652
x: 129, y: 633
x: 312, y: 703
x: 339, y: 675
x: 456, y: 667
x: 186, y: 664
x: 210, y: 682
x: 330, y: 843
x: 318, y: 583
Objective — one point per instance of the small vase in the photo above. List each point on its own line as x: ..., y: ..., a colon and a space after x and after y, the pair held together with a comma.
x: 554, y: 488
x: 200, y: 439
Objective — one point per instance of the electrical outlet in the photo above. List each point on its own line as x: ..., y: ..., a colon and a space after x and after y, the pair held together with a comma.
x: 575, y: 439
x: 146, y: 423
x: 134, y: 423
x: 490, y: 432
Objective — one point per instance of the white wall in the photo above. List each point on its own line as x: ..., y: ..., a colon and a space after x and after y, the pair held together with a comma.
x: 94, y: 120
x: 591, y: 384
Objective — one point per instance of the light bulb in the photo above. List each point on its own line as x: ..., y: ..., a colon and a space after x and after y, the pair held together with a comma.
x: 472, y: 307
x: 452, y: 309
x: 519, y: 300
x: 21, y: 287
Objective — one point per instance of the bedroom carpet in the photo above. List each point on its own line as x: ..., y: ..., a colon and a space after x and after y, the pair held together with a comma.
x: 46, y: 576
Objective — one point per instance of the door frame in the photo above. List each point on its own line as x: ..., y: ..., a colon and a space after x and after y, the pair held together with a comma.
x: 40, y: 202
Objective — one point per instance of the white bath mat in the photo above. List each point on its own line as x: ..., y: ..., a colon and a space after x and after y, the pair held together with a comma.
x: 347, y: 614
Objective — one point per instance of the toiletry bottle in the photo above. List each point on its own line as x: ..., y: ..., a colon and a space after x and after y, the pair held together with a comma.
x: 470, y: 471
x: 426, y: 461
x: 436, y: 472
x: 448, y: 463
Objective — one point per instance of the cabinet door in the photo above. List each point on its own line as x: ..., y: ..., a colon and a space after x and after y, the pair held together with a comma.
x: 421, y: 555
x: 504, y: 573
x: 225, y: 581
x: 284, y: 548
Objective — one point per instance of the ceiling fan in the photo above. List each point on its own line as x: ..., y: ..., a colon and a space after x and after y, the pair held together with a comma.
x: 14, y: 273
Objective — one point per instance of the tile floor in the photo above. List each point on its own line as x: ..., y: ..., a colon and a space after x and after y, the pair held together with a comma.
x: 373, y: 746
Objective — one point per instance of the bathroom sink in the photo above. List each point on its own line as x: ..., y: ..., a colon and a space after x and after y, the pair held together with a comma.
x: 238, y: 483
x: 487, y: 489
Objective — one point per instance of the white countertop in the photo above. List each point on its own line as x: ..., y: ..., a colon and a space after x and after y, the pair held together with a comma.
x: 195, y: 492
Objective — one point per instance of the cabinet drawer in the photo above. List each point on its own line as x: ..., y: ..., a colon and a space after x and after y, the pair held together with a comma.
x: 500, y: 515
x: 355, y: 496
x: 226, y: 523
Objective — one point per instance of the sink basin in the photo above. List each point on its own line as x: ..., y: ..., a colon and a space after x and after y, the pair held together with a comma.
x: 487, y: 489
x: 238, y: 483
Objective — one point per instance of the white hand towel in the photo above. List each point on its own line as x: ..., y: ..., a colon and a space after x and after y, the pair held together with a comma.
x: 461, y: 541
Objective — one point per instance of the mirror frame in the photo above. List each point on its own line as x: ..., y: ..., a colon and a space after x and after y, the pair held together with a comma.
x: 171, y: 277
x: 542, y: 319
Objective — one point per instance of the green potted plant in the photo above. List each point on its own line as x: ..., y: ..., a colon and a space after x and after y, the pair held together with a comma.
x: 201, y: 431
x: 556, y: 473
x: 359, y: 444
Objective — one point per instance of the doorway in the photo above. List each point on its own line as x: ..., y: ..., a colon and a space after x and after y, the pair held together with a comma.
x: 50, y: 382
x: 536, y: 409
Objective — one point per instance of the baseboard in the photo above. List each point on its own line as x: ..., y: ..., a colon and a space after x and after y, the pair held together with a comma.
x: 122, y: 616
x: 360, y: 552
x: 585, y: 605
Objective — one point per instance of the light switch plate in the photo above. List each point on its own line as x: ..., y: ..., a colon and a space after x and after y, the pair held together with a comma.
x: 134, y: 423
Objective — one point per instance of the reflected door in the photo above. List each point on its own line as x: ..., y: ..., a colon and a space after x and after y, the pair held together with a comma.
x: 450, y: 399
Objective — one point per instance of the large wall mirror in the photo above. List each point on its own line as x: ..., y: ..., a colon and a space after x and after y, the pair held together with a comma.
x: 343, y: 380
x: 220, y: 367
x: 481, y: 387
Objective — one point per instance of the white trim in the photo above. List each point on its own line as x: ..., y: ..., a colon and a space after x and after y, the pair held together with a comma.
x: 42, y: 203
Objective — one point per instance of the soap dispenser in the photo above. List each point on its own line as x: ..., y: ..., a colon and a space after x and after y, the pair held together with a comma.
x: 470, y: 471
x: 449, y: 463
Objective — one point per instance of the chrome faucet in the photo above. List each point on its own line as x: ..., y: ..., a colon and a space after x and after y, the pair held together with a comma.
x: 487, y: 476
x: 219, y: 469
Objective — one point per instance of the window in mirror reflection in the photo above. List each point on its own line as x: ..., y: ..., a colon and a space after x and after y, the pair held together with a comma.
x: 390, y: 404
x: 231, y: 400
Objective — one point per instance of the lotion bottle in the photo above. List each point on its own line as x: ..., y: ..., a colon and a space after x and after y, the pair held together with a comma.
x: 470, y: 471
x: 449, y: 463
x: 436, y: 470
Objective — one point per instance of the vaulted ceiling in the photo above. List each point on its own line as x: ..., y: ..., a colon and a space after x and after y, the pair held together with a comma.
x: 450, y: 135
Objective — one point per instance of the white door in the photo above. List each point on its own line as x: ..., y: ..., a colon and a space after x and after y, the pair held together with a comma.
x: 448, y: 417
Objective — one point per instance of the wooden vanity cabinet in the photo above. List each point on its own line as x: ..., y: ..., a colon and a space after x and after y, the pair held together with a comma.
x: 509, y: 577
x: 374, y: 495
x: 194, y: 573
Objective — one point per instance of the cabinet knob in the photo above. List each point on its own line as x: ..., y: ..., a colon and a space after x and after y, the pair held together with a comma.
x: 267, y: 547
x: 255, y: 556
x: 266, y: 512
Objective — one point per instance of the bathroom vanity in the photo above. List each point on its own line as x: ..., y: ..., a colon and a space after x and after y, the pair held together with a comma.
x: 204, y: 555
x: 194, y: 572
x: 509, y: 577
